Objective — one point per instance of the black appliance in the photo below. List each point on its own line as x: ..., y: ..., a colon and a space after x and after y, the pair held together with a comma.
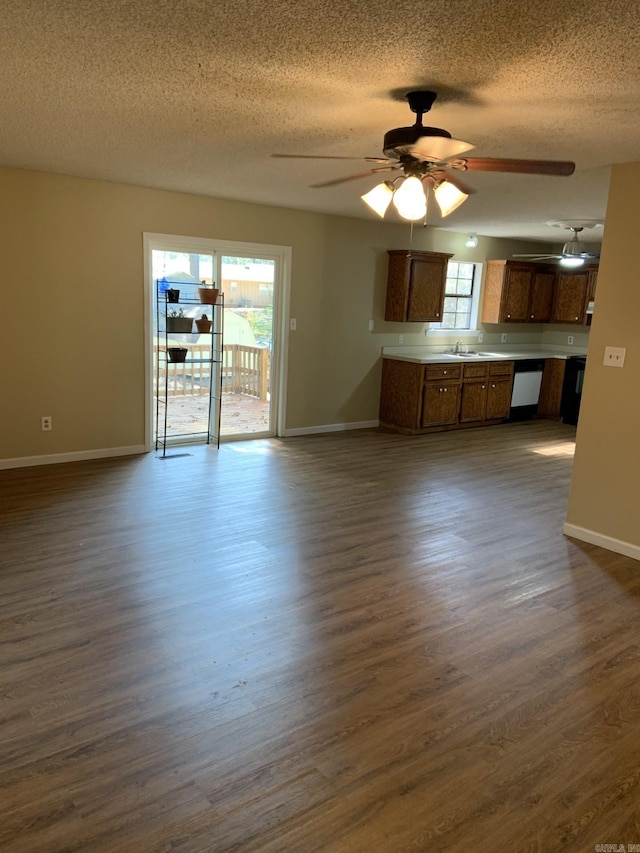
x: 572, y: 388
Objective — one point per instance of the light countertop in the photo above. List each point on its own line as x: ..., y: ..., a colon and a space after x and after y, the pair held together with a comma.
x: 425, y: 355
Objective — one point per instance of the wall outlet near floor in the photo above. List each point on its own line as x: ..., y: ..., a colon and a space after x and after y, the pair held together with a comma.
x: 503, y: 338
x: 46, y: 423
x: 400, y: 339
x: 569, y: 339
x: 614, y: 356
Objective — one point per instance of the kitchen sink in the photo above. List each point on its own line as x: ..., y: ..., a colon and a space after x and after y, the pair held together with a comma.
x: 478, y: 355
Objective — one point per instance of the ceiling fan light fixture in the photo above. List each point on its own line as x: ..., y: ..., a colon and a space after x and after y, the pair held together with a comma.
x: 409, y: 199
x: 571, y: 262
x: 449, y: 197
x: 379, y: 198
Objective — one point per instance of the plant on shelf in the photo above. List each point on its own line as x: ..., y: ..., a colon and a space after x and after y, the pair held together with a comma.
x: 208, y: 293
x: 203, y: 325
x: 177, y: 322
x: 177, y: 354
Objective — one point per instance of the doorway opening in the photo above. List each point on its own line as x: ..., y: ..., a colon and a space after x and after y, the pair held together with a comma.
x: 253, y: 281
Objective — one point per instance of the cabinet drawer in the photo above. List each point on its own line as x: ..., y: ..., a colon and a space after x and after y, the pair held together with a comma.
x: 475, y: 371
x: 500, y: 368
x: 443, y: 371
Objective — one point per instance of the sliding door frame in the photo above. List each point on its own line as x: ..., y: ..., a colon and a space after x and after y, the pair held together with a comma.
x: 281, y: 298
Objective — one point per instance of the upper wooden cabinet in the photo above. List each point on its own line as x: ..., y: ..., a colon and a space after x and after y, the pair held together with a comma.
x: 570, y: 303
x: 520, y: 292
x: 415, y: 286
x: 517, y: 292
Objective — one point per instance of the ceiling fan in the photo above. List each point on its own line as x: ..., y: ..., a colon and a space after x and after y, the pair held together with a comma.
x: 573, y: 253
x: 429, y: 157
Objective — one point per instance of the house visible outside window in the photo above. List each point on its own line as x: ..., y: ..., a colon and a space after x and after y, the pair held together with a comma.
x: 265, y: 289
x: 460, y: 300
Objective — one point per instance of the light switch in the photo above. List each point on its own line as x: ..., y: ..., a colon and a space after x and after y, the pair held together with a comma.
x: 614, y: 356
x: 292, y: 325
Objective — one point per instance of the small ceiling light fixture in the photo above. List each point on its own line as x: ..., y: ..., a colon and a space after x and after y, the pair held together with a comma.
x: 379, y: 198
x: 471, y: 242
x: 571, y: 262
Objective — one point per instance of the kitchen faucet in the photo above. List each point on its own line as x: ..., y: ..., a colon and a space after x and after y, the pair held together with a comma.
x: 458, y: 347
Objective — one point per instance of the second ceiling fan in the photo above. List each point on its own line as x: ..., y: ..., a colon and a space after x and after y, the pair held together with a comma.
x: 429, y: 157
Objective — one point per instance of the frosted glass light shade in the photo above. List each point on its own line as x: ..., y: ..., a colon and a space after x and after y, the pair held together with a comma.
x: 571, y: 262
x: 379, y: 198
x: 448, y: 197
x: 409, y: 199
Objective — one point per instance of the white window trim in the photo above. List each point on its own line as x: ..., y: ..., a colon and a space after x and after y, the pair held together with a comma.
x: 435, y: 331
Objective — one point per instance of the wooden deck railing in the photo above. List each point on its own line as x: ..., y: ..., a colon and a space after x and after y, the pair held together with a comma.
x: 245, y: 370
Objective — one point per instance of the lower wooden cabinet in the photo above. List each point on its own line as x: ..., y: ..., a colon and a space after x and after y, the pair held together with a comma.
x: 427, y: 398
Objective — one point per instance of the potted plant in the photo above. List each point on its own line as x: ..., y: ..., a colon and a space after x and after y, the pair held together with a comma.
x: 203, y: 325
x: 177, y: 354
x: 208, y: 293
x: 178, y: 323
x: 173, y: 295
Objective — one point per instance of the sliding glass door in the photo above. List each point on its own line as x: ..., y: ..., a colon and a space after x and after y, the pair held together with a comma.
x: 253, y: 282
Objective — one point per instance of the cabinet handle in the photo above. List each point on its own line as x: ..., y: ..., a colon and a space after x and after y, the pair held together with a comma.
x: 493, y: 386
x: 444, y: 372
x: 437, y: 313
x: 483, y: 387
x: 532, y: 317
x: 508, y: 316
x: 575, y: 318
x: 446, y: 389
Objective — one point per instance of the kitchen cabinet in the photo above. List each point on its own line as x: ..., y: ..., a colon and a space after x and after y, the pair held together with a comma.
x: 415, y: 286
x: 551, y: 388
x: 570, y: 303
x: 507, y: 292
x: 486, y: 392
x: 520, y: 292
x: 441, y: 396
x: 431, y: 397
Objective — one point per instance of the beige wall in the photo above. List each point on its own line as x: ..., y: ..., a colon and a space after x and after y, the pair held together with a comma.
x: 606, y: 474
x: 73, y: 305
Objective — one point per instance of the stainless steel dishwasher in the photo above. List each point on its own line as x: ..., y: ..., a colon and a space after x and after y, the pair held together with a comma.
x: 527, y: 379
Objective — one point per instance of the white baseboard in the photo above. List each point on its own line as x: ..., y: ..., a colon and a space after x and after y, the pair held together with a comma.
x: 74, y: 456
x: 316, y: 430
x: 608, y: 542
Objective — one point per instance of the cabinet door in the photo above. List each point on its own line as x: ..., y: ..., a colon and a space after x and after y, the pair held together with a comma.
x: 542, y: 290
x: 515, y: 308
x: 571, y: 297
x: 441, y: 402
x: 426, y: 290
x: 474, y: 401
x: 401, y: 393
x: 498, y: 398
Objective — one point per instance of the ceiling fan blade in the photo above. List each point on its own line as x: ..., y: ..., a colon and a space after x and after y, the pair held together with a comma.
x: 438, y: 148
x: 531, y: 167
x: 539, y: 257
x: 355, y: 177
x: 328, y: 157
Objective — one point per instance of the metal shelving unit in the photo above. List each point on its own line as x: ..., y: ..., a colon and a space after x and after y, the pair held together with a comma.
x: 206, y: 364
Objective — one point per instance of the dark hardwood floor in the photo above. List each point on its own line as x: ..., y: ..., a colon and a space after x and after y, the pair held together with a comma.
x: 348, y: 642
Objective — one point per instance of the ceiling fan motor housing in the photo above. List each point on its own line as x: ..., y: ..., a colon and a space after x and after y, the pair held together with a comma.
x: 400, y: 140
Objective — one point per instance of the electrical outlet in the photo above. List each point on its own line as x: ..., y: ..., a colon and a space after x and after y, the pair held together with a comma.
x: 569, y: 339
x: 293, y: 325
x: 503, y: 338
x: 371, y: 325
x: 480, y: 337
x: 46, y: 423
x: 400, y: 339
x: 614, y: 356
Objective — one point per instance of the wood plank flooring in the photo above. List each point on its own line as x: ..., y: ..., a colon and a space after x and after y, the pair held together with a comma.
x: 348, y: 642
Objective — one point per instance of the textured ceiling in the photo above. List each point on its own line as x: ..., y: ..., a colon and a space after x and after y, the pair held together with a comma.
x: 195, y: 95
